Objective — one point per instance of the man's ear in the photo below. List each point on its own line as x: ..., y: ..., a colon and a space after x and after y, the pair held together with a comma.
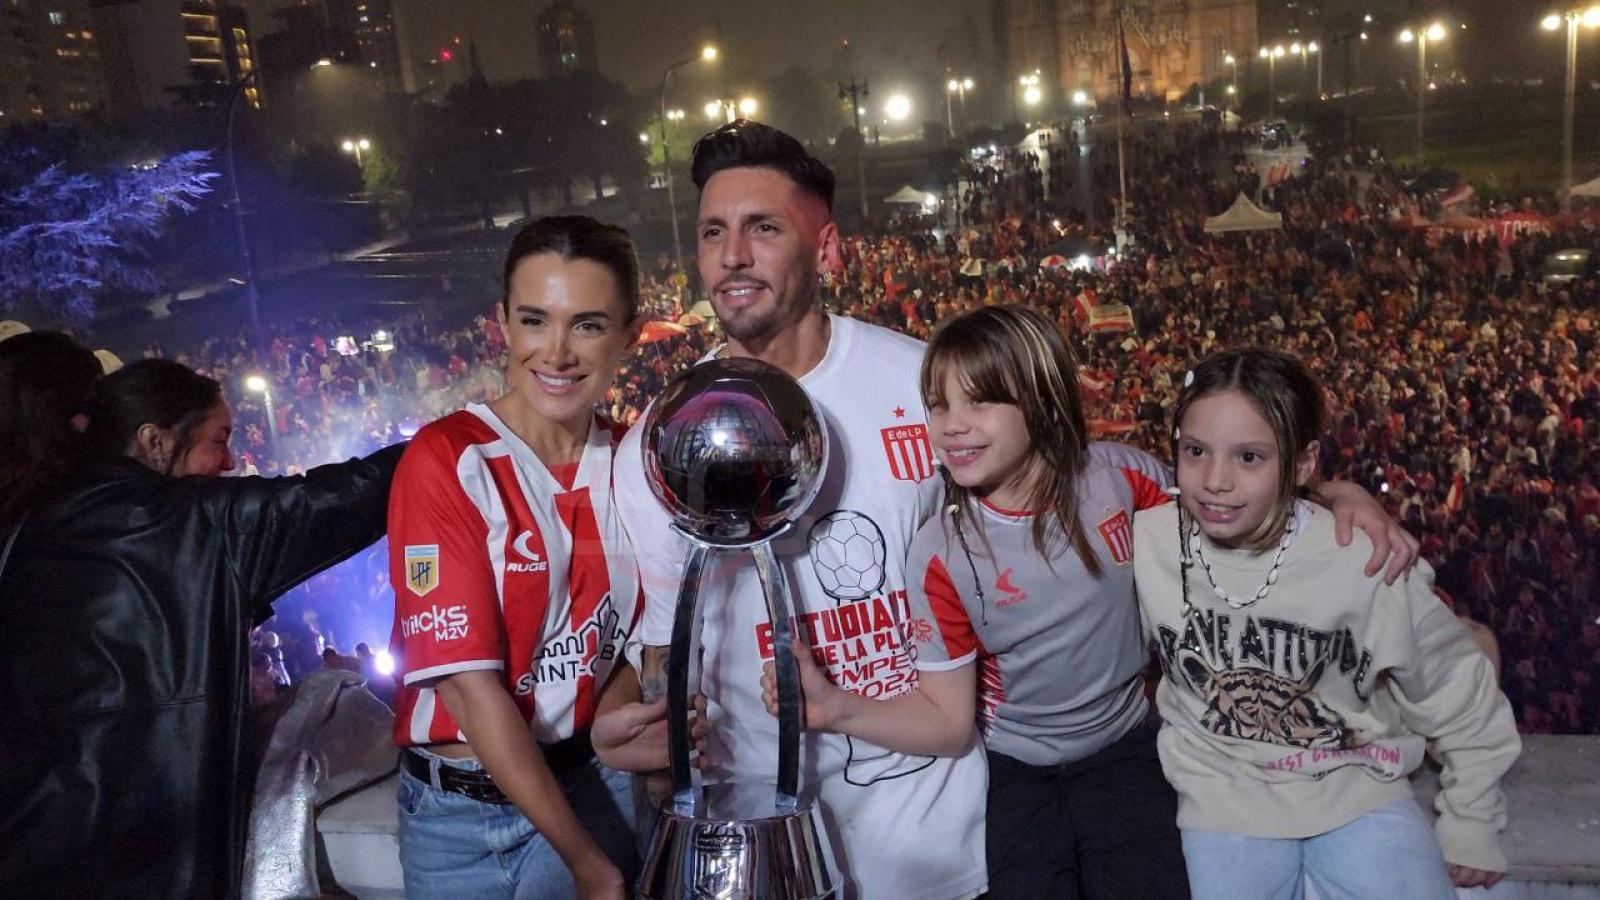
x: 830, y: 255
x: 1305, y: 466
x: 501, y: 319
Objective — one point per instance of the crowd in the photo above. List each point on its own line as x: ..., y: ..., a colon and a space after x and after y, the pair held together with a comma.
x: 1465, y: 394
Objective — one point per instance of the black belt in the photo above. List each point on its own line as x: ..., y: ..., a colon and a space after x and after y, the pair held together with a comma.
x: 562, y: 756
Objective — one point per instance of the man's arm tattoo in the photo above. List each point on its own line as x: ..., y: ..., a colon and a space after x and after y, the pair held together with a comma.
x: 653, y: 673
x: 651, y: 789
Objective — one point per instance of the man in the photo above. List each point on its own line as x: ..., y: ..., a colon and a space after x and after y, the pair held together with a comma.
x: 901, y: 827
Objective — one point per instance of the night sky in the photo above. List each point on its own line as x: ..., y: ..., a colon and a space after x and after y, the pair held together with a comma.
x: 895, y: 43
x: 637, y: 39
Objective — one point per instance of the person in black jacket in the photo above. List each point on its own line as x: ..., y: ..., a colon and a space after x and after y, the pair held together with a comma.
x: 125, y: 607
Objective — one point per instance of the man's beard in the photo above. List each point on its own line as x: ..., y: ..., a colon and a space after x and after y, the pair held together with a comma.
x: 755, y: 326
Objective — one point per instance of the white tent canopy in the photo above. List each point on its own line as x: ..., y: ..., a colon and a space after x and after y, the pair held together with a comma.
x: 1244, y: 216
x: 1590, y: 188
x: 909, y: 194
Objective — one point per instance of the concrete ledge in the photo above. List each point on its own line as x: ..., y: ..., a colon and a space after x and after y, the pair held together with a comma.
x: 1553, y: 811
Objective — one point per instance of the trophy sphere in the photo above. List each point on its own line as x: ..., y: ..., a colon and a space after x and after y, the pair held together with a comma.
x: 735, y: 451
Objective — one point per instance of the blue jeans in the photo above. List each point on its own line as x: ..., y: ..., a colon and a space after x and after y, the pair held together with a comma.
x: 456, y: 847
x: 1390, y: 852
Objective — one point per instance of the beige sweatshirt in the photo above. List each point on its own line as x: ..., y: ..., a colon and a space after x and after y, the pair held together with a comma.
x: 1296, y: 714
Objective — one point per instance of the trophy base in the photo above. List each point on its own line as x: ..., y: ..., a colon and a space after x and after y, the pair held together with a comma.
x: 738, y: 847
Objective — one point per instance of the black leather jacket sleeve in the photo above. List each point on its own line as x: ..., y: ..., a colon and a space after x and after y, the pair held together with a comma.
x: 281, y: 531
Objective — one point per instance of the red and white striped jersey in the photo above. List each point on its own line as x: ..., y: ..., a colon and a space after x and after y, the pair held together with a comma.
x: 496, y: 564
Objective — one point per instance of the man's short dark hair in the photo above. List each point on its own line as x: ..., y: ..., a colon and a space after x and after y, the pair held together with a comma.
x: 745, y: 144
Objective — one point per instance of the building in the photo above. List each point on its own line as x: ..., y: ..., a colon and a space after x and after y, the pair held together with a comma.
x: 1173, y: 45
x: 162, y: 53
x: 50, y: 63
x: 372, y: 31
x: 354, y: 33
x: 566, y: 40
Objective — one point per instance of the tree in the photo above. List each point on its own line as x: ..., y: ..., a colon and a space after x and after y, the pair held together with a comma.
x: 66, y: 236
x: 801, y: 104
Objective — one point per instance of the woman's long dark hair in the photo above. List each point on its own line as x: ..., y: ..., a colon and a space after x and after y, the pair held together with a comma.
x: 44, y: 379
x: 1017, y: 356
x: 155, y: 392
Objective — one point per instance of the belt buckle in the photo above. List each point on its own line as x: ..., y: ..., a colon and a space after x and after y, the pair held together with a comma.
x: 490, y: 794
x: 484, y: 791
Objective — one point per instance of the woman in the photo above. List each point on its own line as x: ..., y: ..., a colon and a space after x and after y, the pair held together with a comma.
x: 515, y: 588
x: 127, y: 601
x: 44, y: 380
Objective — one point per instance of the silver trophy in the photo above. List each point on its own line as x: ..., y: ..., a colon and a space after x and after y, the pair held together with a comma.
x: 735, y: 450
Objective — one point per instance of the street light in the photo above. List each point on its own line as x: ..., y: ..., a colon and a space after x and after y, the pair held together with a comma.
x: 708, y: 53
x: 1031, y: 95
x: 748, y: 106
x: 714, y: 110
x: 954, y: 87
x: 1233, y: 63
x: 256, y: 384
x: 1573, y: 18
x: 1272, y: 55
x: 356, y: 147
x: 1306, y: 51
x: 1421, y: 36
x: 251, y: 297
x: 1080, y: 98
x: 897, y: 107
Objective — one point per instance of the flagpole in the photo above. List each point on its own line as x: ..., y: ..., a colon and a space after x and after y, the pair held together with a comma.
x: 1122, y: 171
x: 1124, y: 89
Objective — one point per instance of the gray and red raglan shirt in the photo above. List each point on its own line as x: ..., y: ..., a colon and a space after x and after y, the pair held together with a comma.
x: 1059, y: 651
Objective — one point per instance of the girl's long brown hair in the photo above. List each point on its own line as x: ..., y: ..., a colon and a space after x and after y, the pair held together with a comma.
x: 1018, y: 356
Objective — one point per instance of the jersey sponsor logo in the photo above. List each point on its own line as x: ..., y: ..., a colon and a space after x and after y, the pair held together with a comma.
x: 530, y: 559
x: 576, y: 652
x: 1010, y: 594
x: 1117, y: 532
x: 422, y: 568
x: 445, y: 624
x: 910, y: 454
x: 848, y: 553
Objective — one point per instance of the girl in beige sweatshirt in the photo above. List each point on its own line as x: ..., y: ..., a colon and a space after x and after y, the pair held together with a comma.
x: 1297, y: 692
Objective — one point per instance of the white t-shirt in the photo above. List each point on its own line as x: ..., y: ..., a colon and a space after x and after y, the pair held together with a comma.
x: 901, y: 827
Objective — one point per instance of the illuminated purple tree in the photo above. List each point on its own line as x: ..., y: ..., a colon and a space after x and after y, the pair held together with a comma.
x: 66, y: 236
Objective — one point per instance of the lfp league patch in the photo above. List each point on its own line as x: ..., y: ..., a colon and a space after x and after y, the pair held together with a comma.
x: 422, y: 568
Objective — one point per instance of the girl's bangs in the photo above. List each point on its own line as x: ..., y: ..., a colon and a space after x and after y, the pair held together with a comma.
x: 980, y: 367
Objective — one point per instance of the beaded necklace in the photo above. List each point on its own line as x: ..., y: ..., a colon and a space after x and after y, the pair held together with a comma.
x: 1193, y: 549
